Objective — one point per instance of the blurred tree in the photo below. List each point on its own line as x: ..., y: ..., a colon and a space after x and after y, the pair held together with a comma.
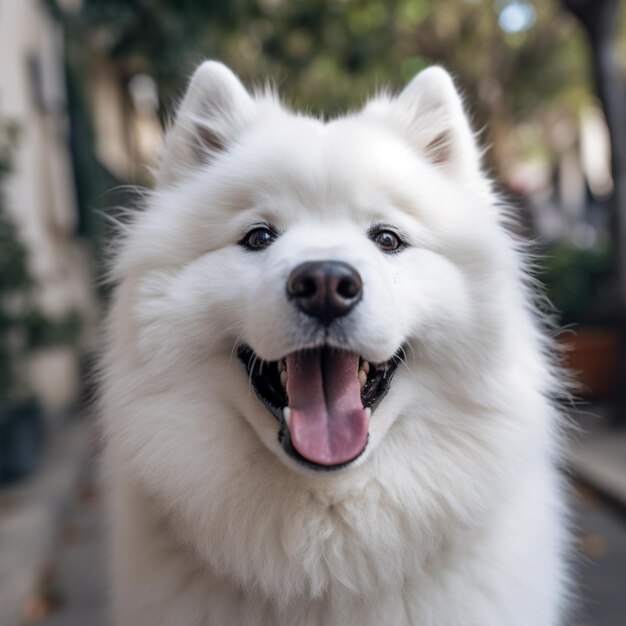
x: 164, y: 38
x: 513, y: 57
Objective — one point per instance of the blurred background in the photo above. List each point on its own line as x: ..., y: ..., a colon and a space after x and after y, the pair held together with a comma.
x: 86, y: 88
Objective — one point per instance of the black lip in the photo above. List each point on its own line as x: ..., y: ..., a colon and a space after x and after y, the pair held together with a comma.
x: 265, y: 379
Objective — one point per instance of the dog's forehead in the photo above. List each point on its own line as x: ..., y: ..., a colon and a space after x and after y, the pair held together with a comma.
x: 336, y: 148
x: 346, y: 158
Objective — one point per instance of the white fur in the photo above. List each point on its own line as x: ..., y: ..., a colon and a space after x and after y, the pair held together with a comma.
x: 454, y: 514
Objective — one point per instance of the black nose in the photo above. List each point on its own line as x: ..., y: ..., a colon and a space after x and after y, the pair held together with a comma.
x: 325, y: 289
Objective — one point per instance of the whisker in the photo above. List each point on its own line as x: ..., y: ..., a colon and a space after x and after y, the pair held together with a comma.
x: 405, y: 363
x: 235, y: 346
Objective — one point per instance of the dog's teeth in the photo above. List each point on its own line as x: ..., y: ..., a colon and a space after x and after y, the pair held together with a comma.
x: 362, y: 377
x: 368, y: 413
x: 287, y: 414
x: 282, y: 365
x: 365, y: 366
x: 283, y: 378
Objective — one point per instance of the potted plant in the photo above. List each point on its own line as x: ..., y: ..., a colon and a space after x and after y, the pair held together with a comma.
x: 579, y: 283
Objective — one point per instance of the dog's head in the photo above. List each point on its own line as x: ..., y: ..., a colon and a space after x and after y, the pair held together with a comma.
x: 332, y: 269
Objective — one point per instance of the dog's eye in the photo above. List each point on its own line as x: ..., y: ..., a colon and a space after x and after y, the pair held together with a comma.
x: 258, y: 238
x: 386, y: 240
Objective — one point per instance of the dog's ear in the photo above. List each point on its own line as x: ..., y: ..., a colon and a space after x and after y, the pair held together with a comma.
x: 429, y: 113
x: 215, y: 109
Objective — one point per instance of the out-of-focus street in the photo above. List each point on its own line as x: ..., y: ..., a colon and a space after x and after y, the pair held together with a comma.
x: 600, y: 566
x: 78, y: 586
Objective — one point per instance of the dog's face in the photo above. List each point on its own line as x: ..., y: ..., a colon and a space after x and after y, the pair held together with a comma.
x: 324, y: 265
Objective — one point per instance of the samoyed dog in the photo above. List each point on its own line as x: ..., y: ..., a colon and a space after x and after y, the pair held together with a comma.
x: 327, y: 392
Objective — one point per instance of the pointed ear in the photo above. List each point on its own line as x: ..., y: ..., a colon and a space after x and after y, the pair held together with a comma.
x: 215, y: 109
x: 429, y: 113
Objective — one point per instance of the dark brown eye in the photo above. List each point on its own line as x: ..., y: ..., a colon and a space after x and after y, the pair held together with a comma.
x: 386, y: 240
x: 258, y: 238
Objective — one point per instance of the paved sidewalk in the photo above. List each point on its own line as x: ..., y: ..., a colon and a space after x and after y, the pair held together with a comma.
x: 600, y: 565
x: 597, y: 454
x: 79, y: 580
x: 30, y: 513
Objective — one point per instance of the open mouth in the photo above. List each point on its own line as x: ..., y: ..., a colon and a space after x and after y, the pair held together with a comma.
x: 323, y: 399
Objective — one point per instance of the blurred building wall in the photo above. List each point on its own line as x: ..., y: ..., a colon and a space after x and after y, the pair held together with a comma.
x: 40, y: 192
x: 124, y: 113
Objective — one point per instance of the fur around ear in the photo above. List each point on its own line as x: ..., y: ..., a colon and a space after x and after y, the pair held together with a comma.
x: 429, y: 113
x: 215, y: 109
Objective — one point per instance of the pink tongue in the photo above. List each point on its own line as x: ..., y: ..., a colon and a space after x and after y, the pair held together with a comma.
x: 328, y: 424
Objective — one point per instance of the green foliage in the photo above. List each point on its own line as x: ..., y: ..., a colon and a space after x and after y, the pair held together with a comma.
x: 578, y: 283
x: 327, y: 54
x: 42, y: 332
x: 13, y: 271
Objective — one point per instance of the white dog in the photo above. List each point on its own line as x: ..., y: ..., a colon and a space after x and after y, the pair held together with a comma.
x: 326, y: 391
